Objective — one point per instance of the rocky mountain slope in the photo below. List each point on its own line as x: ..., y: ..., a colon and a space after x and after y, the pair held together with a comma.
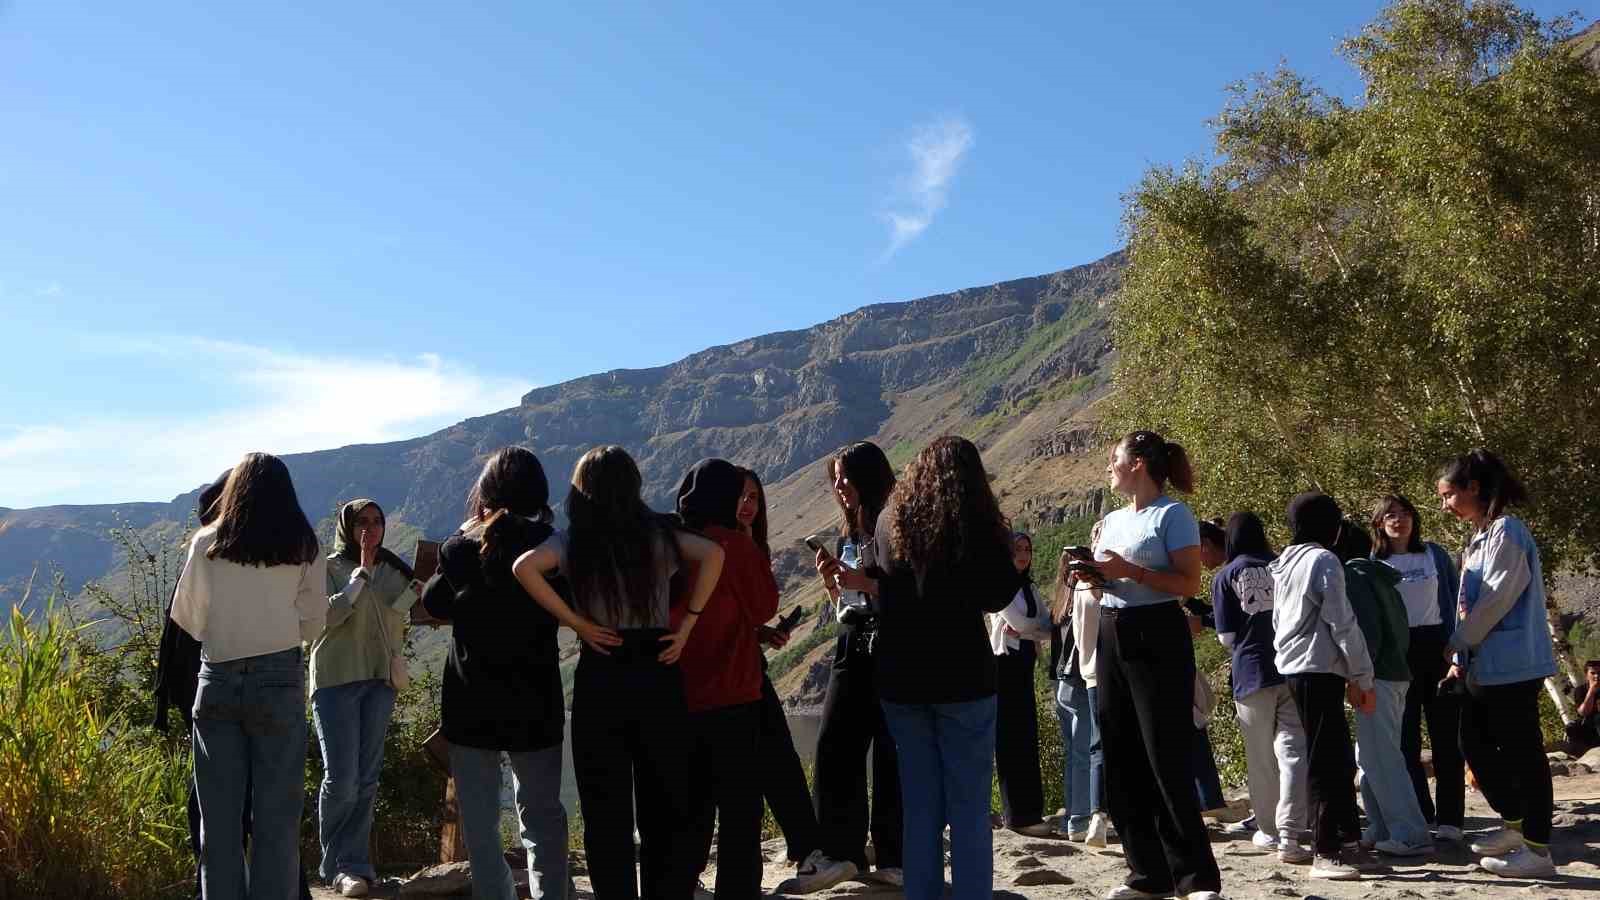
x: 1008, y: 364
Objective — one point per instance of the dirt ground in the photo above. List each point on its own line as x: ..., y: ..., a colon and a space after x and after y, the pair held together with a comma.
x: 1249, y: 874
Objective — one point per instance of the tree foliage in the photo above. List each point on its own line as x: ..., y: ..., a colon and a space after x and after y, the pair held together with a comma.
x: 1352, y: 292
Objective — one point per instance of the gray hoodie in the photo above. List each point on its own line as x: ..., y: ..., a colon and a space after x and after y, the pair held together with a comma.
x: 1314, y: 627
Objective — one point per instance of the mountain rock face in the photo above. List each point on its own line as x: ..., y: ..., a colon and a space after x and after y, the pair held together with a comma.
x: 775, y: 403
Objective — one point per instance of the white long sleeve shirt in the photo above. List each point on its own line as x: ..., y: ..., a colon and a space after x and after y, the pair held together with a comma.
x: 237, y: 612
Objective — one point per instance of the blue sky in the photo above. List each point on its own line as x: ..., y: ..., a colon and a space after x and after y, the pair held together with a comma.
x: 293, y: 226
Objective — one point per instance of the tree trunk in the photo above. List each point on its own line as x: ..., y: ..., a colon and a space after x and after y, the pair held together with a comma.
x: 452, y: 840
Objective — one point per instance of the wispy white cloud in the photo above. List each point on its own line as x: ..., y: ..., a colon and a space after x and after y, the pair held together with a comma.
x: 281, y: 402
x: 935, y: 152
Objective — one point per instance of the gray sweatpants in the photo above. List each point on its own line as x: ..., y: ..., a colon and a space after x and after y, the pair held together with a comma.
x: 1275, y: 757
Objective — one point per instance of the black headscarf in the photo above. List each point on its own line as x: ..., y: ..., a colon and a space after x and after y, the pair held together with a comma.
x: 709, y: 494
x: 1314, y: 519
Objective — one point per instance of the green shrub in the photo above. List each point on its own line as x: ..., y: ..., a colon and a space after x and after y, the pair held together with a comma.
x: 91, y: 804
x: 797, y: 650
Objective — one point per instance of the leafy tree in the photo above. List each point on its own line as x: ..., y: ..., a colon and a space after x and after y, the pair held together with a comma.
x: 1351, y: 292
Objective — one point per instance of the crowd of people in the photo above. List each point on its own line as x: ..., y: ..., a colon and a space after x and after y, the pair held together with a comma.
x: 678, y: 736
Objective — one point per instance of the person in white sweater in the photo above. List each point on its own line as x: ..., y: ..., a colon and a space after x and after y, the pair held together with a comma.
x: 251, y: 592
x: 1076, y: 613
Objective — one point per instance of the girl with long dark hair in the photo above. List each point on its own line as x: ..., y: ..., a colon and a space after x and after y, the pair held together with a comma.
x: 630, y: 720
x: 852, y: 717
x: 722, y: 681
x: 501, y: 692
x: 1013, y: 634
x: 1148, y: 558
x: 1428, y: 583
x: 1503, y: 652
x: 781, y: 775
x: 370, y: 591
x: 1274, y: 739
x: 251, y: 591
x: 943, y: 560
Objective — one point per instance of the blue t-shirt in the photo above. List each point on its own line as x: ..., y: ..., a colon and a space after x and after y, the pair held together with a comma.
x: 1147, y: 538
x: 1242, y: 596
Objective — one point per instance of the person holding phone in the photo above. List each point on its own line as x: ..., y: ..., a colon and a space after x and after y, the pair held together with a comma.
x: 852, y: 716
x: 370, y: 592
x: 1319, y: 649
x: 782, y: 777
x: 1076, y: 612
x: 1148, y: 556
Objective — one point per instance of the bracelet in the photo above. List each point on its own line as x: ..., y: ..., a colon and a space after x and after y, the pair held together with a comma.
x: 696, y: 612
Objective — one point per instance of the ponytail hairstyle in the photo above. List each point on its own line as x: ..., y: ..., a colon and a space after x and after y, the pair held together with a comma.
x: 1497, y: 487
x: 1381, y: 548
x: 1165, y: 461
x: 512, y: 486
x: 614, y: 541
x: 1211, y: 532
x: 259, y: 519
x: 866, y: 467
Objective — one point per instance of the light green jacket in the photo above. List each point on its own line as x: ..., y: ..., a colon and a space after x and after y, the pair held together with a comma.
x: 351, y: 646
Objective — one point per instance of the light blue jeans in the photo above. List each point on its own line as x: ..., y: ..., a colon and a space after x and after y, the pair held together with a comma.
x: 250, y: 734
x: 351, y: 721
x: 946, y: 755
x: 1080, y: 747
x: 536, y: 785
x: 1386, y: 791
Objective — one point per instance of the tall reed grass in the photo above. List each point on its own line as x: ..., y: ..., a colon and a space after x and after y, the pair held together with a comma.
x: 91, y: 806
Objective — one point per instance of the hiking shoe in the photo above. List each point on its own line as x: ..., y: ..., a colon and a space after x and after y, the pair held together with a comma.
x: 1264, y: 841
x: 1241, y: 828
x: 1123, y: 892
x: 1449, y: 833
x: 1498, y: 842
x: 1293, y: 854
x: 1333, y: 869
x: 1037, y: 829
x: 350, y: 886
x: 816, y: 873
x: 1523, y: 862
x: 1393, y: 847
x: 1096, y: 837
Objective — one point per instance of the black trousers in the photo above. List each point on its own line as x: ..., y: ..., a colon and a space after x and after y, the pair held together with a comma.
x: 630, y: 744
x: 727, y: 796
x: 1330, y: 761
x: 852, y: 721
x: 194, y: 825
x: 1505, y: 746
x: 1443, y: 712
x: 1016, y: 738
x: 1583, y: 735
x: 1145, y: 701
x: 783, y: 779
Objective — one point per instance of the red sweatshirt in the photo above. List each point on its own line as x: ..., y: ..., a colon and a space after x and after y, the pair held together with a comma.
x: 721, y: 663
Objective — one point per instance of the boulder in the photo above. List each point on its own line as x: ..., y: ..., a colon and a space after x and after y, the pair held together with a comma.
x: 445, y: 880
x: 1035, y: 877
x: 1591, y: 760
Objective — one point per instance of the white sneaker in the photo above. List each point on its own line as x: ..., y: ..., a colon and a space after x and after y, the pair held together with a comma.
x: 1037, y: 829
x: 1264, y: 841
x: 1123, y: 892
x: 1202, y: 895
x: 1497, y: 843
x: 1333, y: 869
x: 350, y: 886
x: 1241, y: 828
x: 1076, y: 837
x: 1097, y: 831
x: 1393, y: 847
x: 1523, y: 862
x: 817, y: 873
x: 890, y: 875
x: 1449, y: 833
x: 1291, y: 853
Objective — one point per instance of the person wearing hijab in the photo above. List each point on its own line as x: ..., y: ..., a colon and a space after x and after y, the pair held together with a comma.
x: 1013, y: 633
x: 722, y: 680
x: 370, y: 591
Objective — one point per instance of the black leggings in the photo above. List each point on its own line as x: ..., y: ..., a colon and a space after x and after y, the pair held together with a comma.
x: 1505, y: 746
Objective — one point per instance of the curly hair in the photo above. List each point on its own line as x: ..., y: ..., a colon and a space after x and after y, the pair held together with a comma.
x: 944, y: 511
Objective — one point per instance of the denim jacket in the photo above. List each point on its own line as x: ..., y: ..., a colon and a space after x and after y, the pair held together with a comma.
x: 1502, y: 603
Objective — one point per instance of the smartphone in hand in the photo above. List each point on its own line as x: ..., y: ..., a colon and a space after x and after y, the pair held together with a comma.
x: 819, y: 544
x: 1083, y: 554
x: 787, y: 623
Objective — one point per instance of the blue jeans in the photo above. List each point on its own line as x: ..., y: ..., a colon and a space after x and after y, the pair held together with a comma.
x: 1386, y: 790
x: 250, y: 735
x: 351, y: 720
x: 946, y: 754
x: 536, y: 783
x: 1081, y: 765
